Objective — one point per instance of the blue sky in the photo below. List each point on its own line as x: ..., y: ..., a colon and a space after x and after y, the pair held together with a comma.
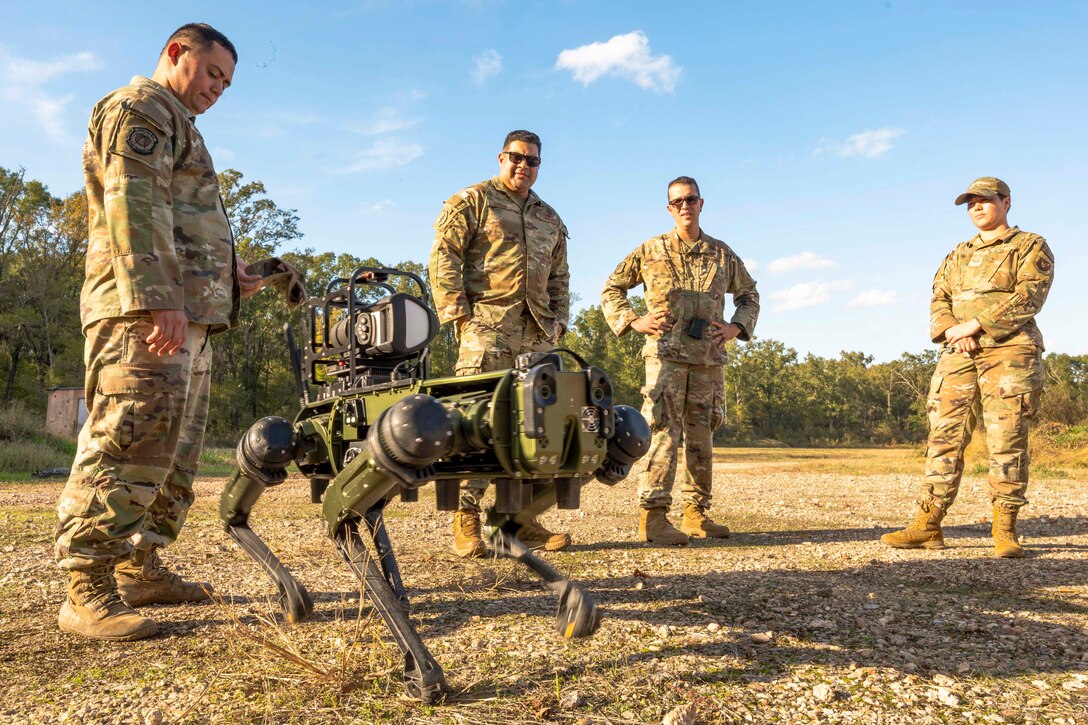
x: 829, y: 139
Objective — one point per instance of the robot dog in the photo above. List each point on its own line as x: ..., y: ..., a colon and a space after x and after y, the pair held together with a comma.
x: 374, y: 425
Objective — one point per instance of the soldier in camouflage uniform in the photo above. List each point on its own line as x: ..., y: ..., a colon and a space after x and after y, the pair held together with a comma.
x: 498, y: 272
x: 686, y: 274
x: 162, y: 276
x: 985, y: 298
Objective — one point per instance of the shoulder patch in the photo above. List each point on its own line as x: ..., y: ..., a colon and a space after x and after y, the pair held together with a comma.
x: 443, y: 218
x: 450, y: 211
x: 137, y: 138
x: 141, y: 140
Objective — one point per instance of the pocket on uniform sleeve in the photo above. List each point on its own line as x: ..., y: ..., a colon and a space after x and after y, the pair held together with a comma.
x: 139, y: 138
x: 135, y: 418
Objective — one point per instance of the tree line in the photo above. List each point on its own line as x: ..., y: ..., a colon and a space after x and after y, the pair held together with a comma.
x: 771, y: 392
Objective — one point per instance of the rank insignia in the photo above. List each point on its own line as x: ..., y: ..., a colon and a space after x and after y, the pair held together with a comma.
x: 142, y: 140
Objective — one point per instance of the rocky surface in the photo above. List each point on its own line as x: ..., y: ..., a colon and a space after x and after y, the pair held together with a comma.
x: 801, y: 617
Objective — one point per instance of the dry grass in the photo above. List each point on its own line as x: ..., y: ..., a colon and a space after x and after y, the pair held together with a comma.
x: 802, y: 617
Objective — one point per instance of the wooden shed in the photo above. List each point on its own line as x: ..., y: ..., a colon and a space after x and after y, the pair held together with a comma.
x: 65, y: 412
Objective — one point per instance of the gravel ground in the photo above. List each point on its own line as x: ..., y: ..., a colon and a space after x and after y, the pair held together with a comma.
x: 801, y: 617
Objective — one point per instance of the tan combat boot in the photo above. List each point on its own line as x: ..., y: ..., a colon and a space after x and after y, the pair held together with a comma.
x: 536, y: 536
x: 653, y: 526
x: 697, y: 525
x: 94, y: 609
x: 922, y: 533
x: 466, y: 534
x: 1006, y: 544
x: 142, y: 579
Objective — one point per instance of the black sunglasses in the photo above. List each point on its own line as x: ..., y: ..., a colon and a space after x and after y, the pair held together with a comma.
x: 679, y: 202
x: 515, y: 158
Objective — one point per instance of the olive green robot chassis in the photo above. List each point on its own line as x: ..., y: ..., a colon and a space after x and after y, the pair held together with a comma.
x: 377, y: 426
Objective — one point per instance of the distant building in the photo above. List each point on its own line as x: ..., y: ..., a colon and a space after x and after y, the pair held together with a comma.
x: 66, y: 412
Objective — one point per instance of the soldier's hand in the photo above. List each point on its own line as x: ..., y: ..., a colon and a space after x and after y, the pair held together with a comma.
x: 171, y: 327
x: 652, y: 323
x: 461, y: 321
x: 248, y: 284
x: 965, y: 345
x: 962, y: 330
x: 723, y: 332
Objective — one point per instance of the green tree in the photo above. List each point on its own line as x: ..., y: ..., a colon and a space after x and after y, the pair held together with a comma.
x: 621, y: 357
x: 1065, y: 400
x: 42, y: 247
x: 761, y: 395
x: 252, y: 375
x: 904, y: 385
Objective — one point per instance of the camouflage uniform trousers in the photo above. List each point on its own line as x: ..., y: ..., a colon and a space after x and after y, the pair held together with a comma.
x: 683, y: 403
x: 1005, y: 384
x: 485, y: 348
x: 132, y: 478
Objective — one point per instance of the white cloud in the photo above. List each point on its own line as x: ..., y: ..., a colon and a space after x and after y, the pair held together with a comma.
x: 807, y: 294
x: 222, y: 153
x: 22, y: 72
x: 804, y: 260
x: 385, y: 153
x: 486, y: 66
x: 376, y: 208
x: 869, y: 144
x: 387, y: 120
x: 626, y: 56
x: 273, y: 124
x: 22, y: 84
x: 751, y: 265
x: 875, y: 298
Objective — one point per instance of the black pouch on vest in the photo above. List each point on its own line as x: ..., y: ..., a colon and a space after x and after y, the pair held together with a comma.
x: 697, y: 328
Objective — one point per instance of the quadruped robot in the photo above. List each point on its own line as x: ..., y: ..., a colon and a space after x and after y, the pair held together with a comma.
x: 374, y: 425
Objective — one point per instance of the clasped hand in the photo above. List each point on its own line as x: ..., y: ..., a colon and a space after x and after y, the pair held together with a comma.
x: 962, y: 338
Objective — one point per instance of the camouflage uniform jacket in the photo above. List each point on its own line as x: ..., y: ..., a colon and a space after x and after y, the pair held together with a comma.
x: 159, y: 237
x: 491, y: 259
x: 1001, y: 283
x: 687, y: 281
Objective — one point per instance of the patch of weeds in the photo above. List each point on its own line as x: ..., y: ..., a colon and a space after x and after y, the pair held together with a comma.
x: 24, y: 448
x: 216, y: 461
x: 1072, y: 437
x: 22, y: 457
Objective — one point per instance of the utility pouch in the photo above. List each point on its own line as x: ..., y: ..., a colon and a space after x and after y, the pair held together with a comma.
x: 697, y: 328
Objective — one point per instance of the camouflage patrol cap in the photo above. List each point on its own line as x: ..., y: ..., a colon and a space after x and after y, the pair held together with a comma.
x: 984, y: 186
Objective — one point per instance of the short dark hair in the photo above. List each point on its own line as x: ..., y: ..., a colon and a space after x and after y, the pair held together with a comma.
x: 684, y: 180
x: 524, y: 137
x: 200, y: 36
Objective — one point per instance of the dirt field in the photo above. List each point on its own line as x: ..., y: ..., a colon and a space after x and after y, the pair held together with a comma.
x: 801, y: 617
